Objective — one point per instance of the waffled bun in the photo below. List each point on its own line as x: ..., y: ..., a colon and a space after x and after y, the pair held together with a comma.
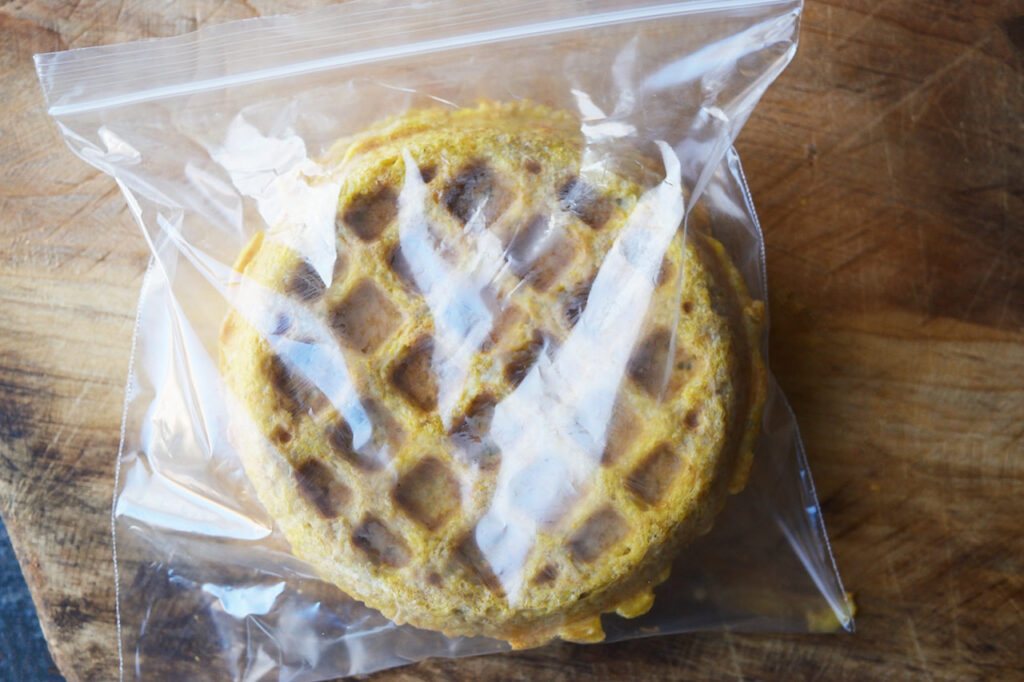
x: 501, y: 411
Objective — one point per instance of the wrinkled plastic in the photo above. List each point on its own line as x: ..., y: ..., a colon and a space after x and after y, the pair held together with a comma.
x: 210, y: 135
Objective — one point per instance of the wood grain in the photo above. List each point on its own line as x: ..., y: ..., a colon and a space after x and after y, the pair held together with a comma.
x: 887, y: 167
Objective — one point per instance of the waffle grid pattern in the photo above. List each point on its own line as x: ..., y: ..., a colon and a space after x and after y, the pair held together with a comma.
x: 401, y: 506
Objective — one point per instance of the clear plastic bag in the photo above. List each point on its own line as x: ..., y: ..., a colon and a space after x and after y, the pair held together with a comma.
x: 232, y: 131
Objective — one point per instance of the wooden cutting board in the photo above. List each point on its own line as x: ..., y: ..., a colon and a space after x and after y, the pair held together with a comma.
x: 887, y: 168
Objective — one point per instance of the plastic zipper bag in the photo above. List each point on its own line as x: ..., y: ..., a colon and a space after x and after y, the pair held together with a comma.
x: 455, y: 313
